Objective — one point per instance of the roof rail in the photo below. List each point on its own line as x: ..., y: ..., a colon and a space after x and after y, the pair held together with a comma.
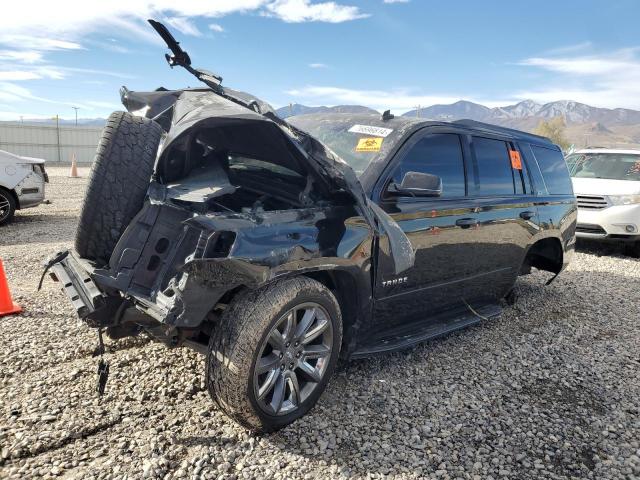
x: 490, y: 128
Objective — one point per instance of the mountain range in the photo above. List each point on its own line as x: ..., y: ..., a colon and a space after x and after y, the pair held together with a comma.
x: 586, y: 125
x: 572, y: 112
x: 298, y: 109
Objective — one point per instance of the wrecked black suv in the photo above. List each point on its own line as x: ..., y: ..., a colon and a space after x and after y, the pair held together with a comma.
x: 275, y: 247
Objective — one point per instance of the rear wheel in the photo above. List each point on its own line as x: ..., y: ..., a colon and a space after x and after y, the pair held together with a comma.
x: 273, y: 352
x: 7, y: 206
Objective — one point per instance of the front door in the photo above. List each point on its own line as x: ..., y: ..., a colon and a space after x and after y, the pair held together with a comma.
x: 442, y: 231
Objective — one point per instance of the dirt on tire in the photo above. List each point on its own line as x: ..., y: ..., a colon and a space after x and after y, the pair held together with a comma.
x: 233, y: 348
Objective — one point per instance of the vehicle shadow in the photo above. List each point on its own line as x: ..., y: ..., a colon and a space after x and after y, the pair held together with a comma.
x: 602, y: 248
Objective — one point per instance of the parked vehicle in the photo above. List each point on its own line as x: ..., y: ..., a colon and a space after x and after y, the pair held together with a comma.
x: 607, y: 186
x: 276, y: 247
x: 22, y: 182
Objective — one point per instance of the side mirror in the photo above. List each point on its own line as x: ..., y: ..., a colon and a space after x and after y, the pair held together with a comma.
x: 416, y: 184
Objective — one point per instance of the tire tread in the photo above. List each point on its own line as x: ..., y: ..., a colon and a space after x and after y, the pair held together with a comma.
x: 118, y: 180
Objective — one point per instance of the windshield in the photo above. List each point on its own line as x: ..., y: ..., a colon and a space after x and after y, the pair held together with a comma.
x: 612, y: 166
x: 357, y: 139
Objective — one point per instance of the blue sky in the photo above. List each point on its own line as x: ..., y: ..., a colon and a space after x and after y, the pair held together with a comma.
x: 381, y: 53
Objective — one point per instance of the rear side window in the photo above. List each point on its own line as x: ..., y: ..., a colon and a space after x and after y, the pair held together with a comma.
x: 554, y: 170
x: 438, y: 154
x: 493, y: 171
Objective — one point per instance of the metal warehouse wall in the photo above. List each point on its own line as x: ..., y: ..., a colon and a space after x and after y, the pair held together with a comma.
x: 48, y: 142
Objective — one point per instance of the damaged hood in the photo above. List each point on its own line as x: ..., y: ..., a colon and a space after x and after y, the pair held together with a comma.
x: 180, y: 111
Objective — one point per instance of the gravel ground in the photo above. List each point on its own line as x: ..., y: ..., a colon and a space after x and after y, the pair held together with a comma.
x: 549, y: 389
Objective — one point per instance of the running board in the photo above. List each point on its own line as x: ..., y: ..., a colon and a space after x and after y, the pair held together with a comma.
x: 401, y: 338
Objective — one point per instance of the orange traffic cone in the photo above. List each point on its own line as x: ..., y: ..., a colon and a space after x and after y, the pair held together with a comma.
x: 74, y: 167
x: 7, y: 307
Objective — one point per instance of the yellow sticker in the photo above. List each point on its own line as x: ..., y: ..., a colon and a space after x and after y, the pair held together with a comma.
x: 369, y: 144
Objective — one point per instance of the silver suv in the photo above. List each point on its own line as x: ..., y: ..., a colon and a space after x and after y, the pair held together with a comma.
x: 607, y: 185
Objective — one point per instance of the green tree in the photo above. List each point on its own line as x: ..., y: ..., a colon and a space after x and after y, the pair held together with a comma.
x: 554, y: 130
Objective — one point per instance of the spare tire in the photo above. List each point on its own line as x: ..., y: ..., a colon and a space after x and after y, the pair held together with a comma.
x: 118, y: 183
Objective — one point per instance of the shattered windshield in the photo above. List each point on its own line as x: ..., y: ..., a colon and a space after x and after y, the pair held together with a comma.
x: 356, y: 139
x: 612, y: 166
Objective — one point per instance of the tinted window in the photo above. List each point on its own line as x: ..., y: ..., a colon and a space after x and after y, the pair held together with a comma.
x: 554, y: 170
x: 494, y: 172
x: 438, y: 154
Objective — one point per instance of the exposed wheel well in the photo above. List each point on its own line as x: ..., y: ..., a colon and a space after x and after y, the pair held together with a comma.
x: 344, y: 287
x: 545, y: 254
x: 341, y: 284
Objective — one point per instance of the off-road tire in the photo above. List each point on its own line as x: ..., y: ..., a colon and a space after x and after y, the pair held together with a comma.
x: 118, y: 183
x: 7, y: 196
x: 234, y: 344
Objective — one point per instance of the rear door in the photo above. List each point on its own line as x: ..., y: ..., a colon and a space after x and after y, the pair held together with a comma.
x: 501, y: 191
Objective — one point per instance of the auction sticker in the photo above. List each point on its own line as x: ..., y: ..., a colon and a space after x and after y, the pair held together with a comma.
x: 371, y: 130
x: 369, y: 145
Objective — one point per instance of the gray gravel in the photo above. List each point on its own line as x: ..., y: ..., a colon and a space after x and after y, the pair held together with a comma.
x: 550, y: 389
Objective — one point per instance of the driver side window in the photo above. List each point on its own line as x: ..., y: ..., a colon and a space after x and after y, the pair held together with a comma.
x: 437, y: 154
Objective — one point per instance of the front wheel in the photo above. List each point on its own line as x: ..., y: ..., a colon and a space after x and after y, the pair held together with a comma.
x: 273, y: 352
x: 7, y: 206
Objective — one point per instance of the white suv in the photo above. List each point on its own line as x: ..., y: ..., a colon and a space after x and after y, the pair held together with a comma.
x: 22, y: 182
x: 606, y: 183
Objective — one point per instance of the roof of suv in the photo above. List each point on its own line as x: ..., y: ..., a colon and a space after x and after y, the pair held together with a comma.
x: 504, y: 131
x: 411, y: 124
x: 608, y: 150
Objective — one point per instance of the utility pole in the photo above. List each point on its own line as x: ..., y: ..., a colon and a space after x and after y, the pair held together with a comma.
x: 58, y: 136
x: 76, y: 109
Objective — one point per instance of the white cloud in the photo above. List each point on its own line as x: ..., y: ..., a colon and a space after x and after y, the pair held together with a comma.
x: 396, y: 100
x: 12, y: 93
x: 14, y: 75
x: 103, y: 105
x: 183, y: 25
x: 30, y: 28
x: 395, y: 1
x: 22, y: 56
x: 576, y: 47
x: 46, y: 25
x: 52, y: 73
x: 35, y: 42
x: 297, y: 11
x: 318, y: 65
x: 605, y: 80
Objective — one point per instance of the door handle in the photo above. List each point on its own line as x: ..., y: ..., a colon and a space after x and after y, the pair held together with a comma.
x: 466, y: 222
x: 527, y: 215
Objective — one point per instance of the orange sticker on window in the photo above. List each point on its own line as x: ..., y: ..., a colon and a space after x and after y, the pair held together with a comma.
x: 516, y: 161
x: 371, y: 144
